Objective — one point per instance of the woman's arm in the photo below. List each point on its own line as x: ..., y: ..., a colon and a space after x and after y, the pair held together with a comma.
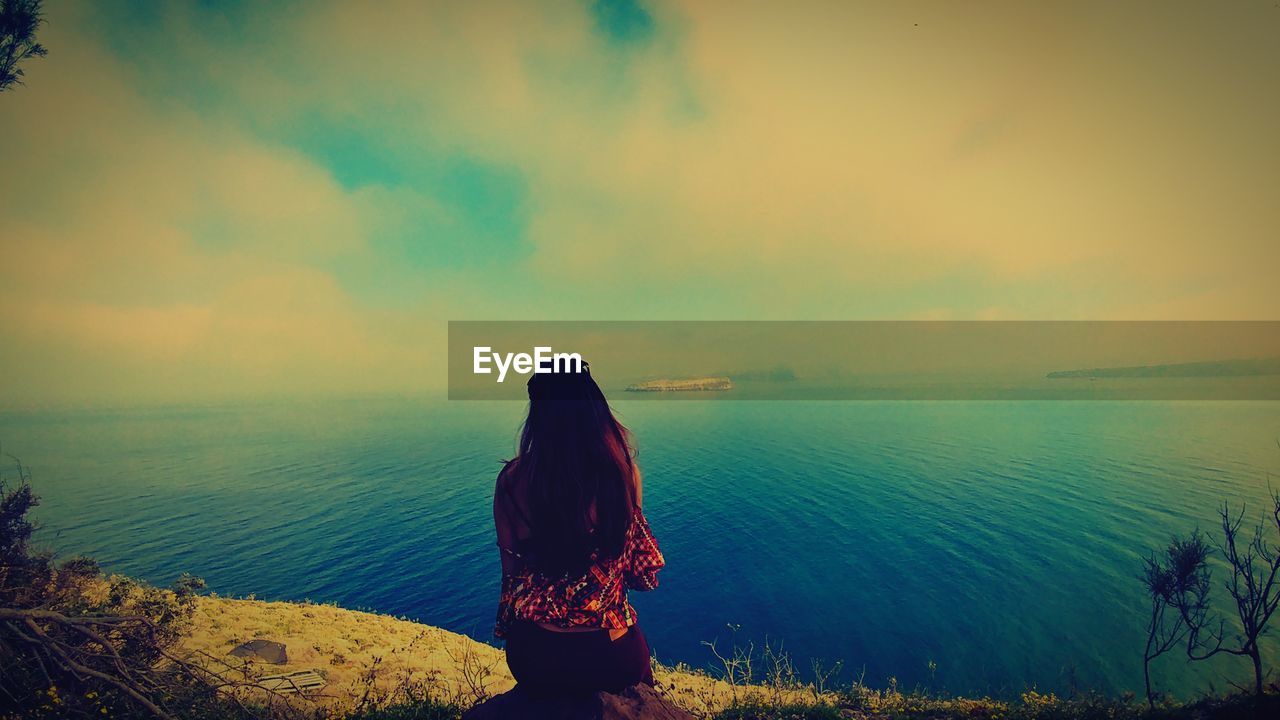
x: 504, y: 524
x: 645, y: 557
x: 512, y: 563
x: 639, y: 487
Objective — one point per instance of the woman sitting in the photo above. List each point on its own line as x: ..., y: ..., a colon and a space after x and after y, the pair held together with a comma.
x: 573, y: 539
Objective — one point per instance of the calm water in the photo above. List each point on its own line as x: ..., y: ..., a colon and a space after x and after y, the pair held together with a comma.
x: 1000, y: 541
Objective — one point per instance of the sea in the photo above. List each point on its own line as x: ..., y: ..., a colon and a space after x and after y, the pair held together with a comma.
x: 954, y: 546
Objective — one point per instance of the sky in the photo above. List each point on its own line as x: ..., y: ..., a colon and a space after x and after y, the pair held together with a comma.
x: 233, y: 200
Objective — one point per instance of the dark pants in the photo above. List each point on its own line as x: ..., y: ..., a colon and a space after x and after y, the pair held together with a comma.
x: 545, y: 662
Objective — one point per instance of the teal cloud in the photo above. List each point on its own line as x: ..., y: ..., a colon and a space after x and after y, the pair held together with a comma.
x: 448, y: 213
x: 623, y: 21
x: 477, y: 216
x: 348, y: 150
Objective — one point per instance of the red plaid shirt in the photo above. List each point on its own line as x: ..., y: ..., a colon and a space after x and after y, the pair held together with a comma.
x: 597, y: 598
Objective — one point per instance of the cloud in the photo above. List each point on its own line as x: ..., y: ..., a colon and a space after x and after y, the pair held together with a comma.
x: 825, y: 144
x: 237, y: 201
x: 153, y: 253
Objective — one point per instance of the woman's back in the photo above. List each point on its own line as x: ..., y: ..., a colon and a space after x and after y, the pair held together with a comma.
x: 573, y: 541
x: 591, y: 597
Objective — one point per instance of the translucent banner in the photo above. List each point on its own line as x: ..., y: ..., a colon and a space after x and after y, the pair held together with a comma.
x: 871, y: 360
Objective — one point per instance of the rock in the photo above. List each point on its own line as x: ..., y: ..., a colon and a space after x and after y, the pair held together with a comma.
x: 264, y: 650
x: 638, y: 702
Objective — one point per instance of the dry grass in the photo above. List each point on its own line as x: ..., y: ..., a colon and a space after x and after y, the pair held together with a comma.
x: 358, y: 653
x: 362, y: 653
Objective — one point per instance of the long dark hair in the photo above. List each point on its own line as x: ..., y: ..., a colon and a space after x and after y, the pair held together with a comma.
x: 574, y: 453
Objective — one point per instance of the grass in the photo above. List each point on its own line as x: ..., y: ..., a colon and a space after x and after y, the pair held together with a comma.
x: 383, y: 668
x: 422, y: 710
x: 1032, y: 706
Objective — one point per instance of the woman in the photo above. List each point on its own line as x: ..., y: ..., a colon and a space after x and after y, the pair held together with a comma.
x: 573, y: 539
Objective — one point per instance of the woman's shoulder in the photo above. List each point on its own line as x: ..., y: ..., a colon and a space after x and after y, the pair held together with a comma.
x: 508, y: 495
x: 508, y: 480
x: 502, y: 486
x: 508, y: 470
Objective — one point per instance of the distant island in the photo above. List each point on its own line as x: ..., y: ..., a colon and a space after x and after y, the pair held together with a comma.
x: 697, y: 384
x: 1216, y: 368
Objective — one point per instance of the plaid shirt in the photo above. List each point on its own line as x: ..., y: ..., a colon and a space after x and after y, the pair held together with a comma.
x: 597, y: 598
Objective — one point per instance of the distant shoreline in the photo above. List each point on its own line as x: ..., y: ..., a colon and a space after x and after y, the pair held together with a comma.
x: 697, y: 384
x: 1215, y: 368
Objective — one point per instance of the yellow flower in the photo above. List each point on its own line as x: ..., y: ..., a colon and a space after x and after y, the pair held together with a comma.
x: 1033, y: 699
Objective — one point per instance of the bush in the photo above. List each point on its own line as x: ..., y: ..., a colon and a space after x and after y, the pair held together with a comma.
x: 76, y: 644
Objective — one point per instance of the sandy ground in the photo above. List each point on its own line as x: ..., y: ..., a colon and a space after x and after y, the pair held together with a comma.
x: 360, y: 653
